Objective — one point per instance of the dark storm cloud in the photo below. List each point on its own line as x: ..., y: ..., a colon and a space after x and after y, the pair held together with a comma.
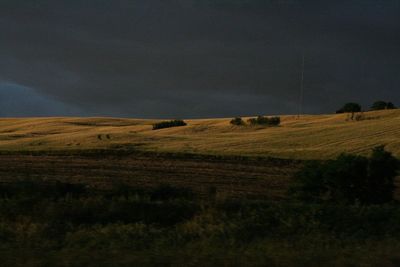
x: 197, y: 58
x: 20, y: 101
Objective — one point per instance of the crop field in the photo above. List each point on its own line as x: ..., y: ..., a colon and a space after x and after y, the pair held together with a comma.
x: 114, y: 192
x: 228, y: 177
x: 110, y: 209
x: 209, y: 154
x: 307, y: 137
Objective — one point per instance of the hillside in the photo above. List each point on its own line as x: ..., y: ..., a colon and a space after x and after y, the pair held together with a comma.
x: 310, y: 137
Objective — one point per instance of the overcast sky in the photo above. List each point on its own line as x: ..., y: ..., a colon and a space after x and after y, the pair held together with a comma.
x: 195, y: 58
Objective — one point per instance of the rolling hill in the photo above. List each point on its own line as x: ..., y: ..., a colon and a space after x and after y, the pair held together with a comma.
x: 308, y: 137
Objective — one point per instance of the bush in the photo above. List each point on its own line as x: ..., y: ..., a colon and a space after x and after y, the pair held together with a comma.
x: 274, y: 121
x: 261, y: 120
x: 350, y: 108
x: 349, y: 179
x: 168, y: 124
x: 382, y: 170
x: 237, y: 121
x: 162, y: 227
x: 380, y: 105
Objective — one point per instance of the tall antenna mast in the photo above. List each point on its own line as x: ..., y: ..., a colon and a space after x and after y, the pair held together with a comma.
x: 301, y: 88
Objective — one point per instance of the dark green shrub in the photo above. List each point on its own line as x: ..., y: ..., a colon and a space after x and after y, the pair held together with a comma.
x: 168, y: 124
x: 382, y: 170
x: 380, y: 105
x: 350, y: 108
x: 390, y: 105
x: 274, y: 121
x: 265, y: 121
x: 121, y: 228
x: 252, y: 121
x: 260, y: 120
x: 237, y: 121
x: 349, y: 179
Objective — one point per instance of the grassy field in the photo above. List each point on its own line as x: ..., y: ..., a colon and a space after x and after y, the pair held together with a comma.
x: 54, y: 224
x: 113, y: 192
x: 308, y: 137
x: 227, y: 177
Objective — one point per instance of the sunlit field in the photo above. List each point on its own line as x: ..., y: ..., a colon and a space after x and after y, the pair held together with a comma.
x: 307, y: 137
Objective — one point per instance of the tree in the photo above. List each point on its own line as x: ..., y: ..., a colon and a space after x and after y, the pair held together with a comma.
x: 349, y: 179
x: 380, y: 105
x: 382, y: 170
x: 237, y: 121
x: 350, y: 108
x: 390, y: 105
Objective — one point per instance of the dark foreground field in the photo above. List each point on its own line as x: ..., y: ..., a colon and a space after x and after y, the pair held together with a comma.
x: 228, y: 176
x: 145, y: 209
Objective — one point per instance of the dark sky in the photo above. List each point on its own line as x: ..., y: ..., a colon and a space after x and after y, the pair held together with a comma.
x: 195, y: 58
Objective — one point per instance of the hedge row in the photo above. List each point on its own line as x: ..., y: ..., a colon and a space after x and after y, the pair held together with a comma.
x: 260, y: 120
x: 168, y: 124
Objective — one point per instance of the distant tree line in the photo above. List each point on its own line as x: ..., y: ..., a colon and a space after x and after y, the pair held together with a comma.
x: 349, y: 179
x: 355, y: 107
x: 379, y: 105
x: 168, y: 124
x: 259, y: 120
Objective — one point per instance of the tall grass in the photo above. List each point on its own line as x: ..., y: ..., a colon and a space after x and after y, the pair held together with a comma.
x: 167, y: 226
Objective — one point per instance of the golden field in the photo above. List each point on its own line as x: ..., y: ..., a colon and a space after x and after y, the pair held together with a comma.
x: 307, y: 137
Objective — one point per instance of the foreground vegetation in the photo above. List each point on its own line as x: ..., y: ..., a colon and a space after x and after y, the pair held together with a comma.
x: 349, y: 179
x: 45, y: 222
x: 55, y: 224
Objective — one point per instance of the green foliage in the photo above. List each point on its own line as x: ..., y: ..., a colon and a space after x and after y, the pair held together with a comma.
x: 350, y: 108
x: 168, y: 226
x: 349, y: 179
x: 382, y: 170
x: 380, y: 105
x: 265, y: 121
x: 168, y: 124
x: 237, y: 121
x: 259, y: 120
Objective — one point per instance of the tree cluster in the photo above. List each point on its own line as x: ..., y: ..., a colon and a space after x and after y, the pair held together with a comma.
x: 259, y: 120
x: 380, y: 105
x: 355, y: 107
x: 349, y: 179
x: 168, y: 124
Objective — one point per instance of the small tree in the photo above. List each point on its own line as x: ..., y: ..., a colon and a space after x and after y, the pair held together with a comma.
x: 382, y: 170
x: 237, y: 121
x: 349, y: 179
x: 380, y: 105
x: 350, y: 108
x: 252, y: 121
x: 390, y: 105
x: 274, y: 121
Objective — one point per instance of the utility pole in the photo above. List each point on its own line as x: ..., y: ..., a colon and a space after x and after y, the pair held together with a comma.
x: 301, y: 88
